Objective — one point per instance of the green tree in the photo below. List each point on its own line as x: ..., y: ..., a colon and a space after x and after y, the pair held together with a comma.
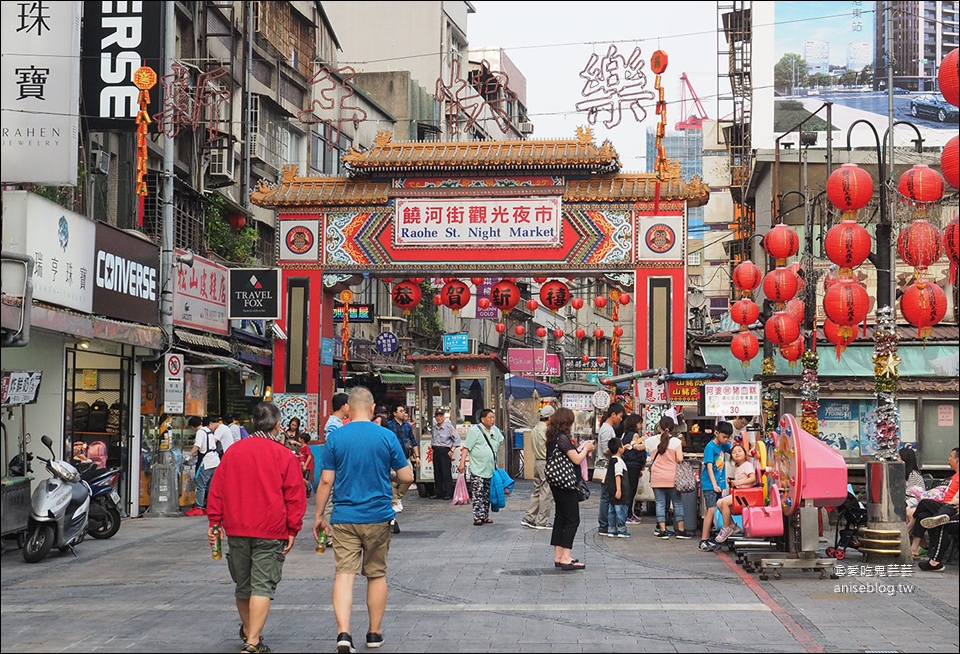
x: 789, y: 72
x: 424, y: 322
x: 234, y: 245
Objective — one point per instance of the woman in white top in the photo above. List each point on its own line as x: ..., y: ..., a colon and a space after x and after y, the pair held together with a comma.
x: 744, y: 476
x: 667, y: 451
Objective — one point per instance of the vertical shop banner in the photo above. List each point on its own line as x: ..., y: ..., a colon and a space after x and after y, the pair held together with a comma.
x: 483, y: 290
x: 126, y: 279
x: 200, y: 295
x: 118, y: 38
x: 61, y: 243
x: 40, y: 93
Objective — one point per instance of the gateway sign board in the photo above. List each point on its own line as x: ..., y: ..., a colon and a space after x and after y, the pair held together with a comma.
x: 455, y: 222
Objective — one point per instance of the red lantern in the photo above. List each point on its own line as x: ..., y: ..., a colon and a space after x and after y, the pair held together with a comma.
x: 618, y: 331
x: 406, y: 295
x: 576, y: 303
x: 600, y: 302
x: 782, y: 328
x: 744, y: 346
x: 483, y: 302
x: 832, y: 331
x: 658, y: 62
x: 539, y: 280
x: 849, y: 187
x: 919, y: 244
x: 624, y: 299
x: 455, y: 295
x: 846, y: 303
x: 948, y: 162
x: 598, y: 333
x: 554, y: 295
x: 921, y: 184
x: 780, y: 285
x: 797, y: 309
x: 504, y: 295
x: 781, y: 242
x: 500, y: 327
x: 947, y: 77
x: 847, y: 244
x: 951, y: 245
x: 512, y: 280
x: 447, y: 280
x: 520, y: 330
x: 829, y: 279
x: 585, y: 358
x: 237, y: 221
x: 601, y: 361
x: 438, y: 300
x: 476, y: 281
x: 792, y: 351
x: 417, y: 280
x: 744, y: 312
x: 580, y: 333
x: 542, y: 332
x: 532, y: 305
x: 924, y: 304
x: 558, y: 333
x: 388, y: 280
x: 746, y: 276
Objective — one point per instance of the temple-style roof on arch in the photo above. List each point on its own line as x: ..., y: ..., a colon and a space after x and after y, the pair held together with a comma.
x: 302, y: 192
x: 580, y: 155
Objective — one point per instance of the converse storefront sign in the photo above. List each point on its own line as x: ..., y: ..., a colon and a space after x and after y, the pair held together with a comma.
x: 254, y: 294
x: 126, y: 277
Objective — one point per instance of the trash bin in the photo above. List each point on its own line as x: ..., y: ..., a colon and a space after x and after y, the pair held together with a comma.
x: 165, y: 487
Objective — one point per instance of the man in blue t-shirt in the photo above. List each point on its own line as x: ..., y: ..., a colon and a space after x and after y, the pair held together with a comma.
x: 714, y: 480
x: 356, y: 462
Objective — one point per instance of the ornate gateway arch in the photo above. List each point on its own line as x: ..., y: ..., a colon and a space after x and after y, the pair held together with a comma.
x: 491, y: 208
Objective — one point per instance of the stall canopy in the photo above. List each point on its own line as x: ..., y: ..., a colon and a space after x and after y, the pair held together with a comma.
x: 522, y: 388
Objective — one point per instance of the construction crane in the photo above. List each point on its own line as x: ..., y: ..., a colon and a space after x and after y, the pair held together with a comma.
x: 689, y: 121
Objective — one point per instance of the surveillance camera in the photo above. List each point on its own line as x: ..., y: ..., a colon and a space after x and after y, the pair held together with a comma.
x: 185, y: 259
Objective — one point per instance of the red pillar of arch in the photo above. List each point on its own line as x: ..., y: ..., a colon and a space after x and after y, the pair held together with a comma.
x: 660, y: 318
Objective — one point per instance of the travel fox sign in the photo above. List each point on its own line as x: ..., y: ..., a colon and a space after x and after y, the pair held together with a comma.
x: 456, y: 222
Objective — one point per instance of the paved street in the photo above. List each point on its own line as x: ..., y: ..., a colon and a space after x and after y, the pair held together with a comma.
x: 459, y: 588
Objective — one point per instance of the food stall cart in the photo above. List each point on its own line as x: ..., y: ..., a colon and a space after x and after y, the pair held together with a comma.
x: 19, y: 388
x: 462, y: 385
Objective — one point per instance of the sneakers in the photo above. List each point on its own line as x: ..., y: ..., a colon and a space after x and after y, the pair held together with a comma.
x: 935, y: 521
x: 665, y: 534
x: 624, y: 534
x: 608, y: 534
x: 709, y: 546
x: 345, y: 643
x: 684, y: 535
x: 714, y: 546
x: 398, y: 506
x: 633, y: 520
x: 529, y: 525
x: 256, y: 649
x: 374, y: 640
x: 542, y: 527
x: 195, y: 511
x: 724, y: 534
x: 927, y: 566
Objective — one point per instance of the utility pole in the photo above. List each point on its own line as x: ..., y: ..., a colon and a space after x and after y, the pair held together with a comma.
x: 166, y: 236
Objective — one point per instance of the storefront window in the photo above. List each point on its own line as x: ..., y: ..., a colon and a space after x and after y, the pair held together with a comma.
x: 939, y: 420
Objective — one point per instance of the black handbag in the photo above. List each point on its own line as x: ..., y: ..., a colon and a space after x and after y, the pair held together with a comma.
x: 583, y: 491
x: 559, y: 470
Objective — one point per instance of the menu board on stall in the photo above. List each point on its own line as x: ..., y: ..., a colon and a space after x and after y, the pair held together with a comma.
x: 727, y: 400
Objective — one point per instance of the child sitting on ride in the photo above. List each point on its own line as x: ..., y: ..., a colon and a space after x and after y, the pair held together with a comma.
x: 744, y: 476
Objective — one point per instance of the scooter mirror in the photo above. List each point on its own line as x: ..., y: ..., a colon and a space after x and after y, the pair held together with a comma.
x: 26, y: 437
x: 46, y: 440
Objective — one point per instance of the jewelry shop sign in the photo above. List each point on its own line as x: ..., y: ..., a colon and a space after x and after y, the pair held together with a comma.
x: 456, y: 222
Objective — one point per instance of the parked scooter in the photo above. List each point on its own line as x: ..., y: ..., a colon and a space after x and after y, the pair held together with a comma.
x: 60, y: 509
x: 105, y: 500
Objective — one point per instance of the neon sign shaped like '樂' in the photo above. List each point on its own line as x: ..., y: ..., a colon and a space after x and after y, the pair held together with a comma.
x: 612, y: 84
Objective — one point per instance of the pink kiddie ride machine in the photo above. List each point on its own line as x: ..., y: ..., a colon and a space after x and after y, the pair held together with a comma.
x: 802, y: 476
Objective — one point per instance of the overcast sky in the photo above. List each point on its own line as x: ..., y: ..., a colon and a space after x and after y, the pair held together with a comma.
x: 551, y: 42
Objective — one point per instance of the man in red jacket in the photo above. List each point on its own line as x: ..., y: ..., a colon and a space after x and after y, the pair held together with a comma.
x: 258, y: 499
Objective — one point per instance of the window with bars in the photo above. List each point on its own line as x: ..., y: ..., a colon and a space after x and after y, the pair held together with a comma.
x: 188, y: 216
x: 267, y: 141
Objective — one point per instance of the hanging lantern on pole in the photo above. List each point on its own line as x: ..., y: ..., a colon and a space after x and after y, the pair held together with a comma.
x: 840, y: 341
x: 782, y: 328
x: 504, y: 295
x: 780, y: 285
x: 744, y: 312
x: 746, y: 277
x: 598, y: 333
x: 947, y: 77
x: 600, y: 302
x: 532, y: 305
x: 846, y: 304
x: 406, y: 295
x: 455, y: 295
x: 919, y: 245
x: 849, y: 188
x: 797, y: 309
x: 542, y: 332
x: 949, y: 165
x: 924, y: 304
x: 581, y: 333
x: 847, y: 244
x: 744, y: 346
x: 797, y: 270
x: 558, y: 333
x: 576, y: 303
x: 520, y: 330
x: 951, y: 245
x: 500, y: 327
x: 792, y: 352
x: 781, y: 243
x: 554, y: 295
x: 921, y: 185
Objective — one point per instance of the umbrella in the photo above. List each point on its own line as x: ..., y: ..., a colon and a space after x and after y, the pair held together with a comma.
x: 522, y: 388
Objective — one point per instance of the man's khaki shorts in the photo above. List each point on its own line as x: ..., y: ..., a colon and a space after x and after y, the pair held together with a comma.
x: 369, y: 543
x: 256, y: 565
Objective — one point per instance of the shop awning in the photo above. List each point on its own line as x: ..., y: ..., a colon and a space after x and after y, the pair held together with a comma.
x: 202, y: 341
x: 216, y: 361
x: 397, y: 378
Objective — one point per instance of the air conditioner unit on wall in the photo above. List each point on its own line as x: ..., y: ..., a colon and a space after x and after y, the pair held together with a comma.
x: 525, y: 127
x: 222, y: 163
x: 100, y: 162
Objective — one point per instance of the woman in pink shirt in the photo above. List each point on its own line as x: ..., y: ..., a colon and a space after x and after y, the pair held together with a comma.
x: 667, y: 452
